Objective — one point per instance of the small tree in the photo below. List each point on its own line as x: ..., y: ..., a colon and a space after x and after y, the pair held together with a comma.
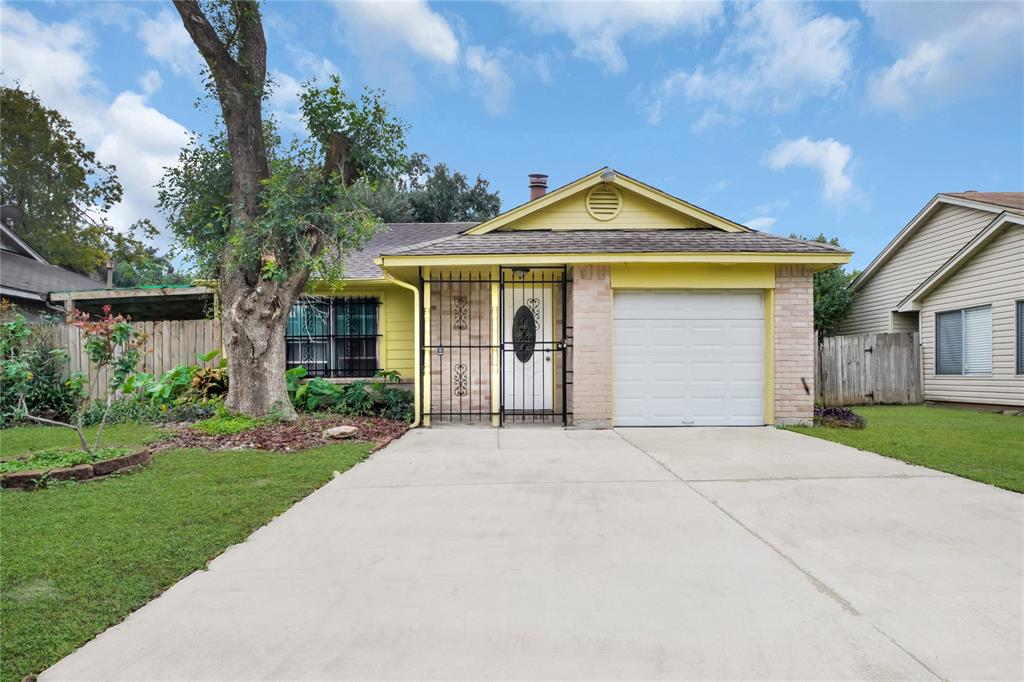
x: 111, y: 342
x: 832, y: 293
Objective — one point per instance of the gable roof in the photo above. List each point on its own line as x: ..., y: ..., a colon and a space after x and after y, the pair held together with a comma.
x: 686, y: 240
x: 360, y: 264
x: 611, y: 176
x: 12, y: 243
x: 965, y: 199
x: 1012, y: 200
x: 960, y: 259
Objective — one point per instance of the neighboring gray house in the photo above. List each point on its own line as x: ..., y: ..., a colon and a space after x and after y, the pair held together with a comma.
x: 26, y: 279
x: 956, y: 274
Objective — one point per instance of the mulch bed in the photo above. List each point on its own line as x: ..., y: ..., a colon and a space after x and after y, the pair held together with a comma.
x: 307, y: 432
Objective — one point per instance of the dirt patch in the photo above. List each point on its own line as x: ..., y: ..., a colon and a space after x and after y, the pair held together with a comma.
x: 307, y: 432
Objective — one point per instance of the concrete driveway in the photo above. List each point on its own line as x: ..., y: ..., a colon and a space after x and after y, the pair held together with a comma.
x: 639, y: 553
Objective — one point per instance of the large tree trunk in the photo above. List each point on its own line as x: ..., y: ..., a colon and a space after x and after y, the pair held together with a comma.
x: 255, y: 310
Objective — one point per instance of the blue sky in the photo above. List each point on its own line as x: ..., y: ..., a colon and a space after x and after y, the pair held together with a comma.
x: 841, y: 118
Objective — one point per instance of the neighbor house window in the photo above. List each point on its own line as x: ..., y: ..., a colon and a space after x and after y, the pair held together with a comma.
x: 1020, y: 337
x: 334, y: 338
x: 963, y: 341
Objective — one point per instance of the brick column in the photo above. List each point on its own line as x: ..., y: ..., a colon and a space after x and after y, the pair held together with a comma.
x: 592, y: 346
x: 794, y: 345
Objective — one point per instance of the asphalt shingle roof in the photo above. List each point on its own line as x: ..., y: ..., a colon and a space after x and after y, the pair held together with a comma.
x: 360, y: 265
x: 613, y: 241
x: 1014, y: 200
x: 22, y: 272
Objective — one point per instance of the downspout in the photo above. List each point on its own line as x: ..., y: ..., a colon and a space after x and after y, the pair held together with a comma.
x: 417, y: 378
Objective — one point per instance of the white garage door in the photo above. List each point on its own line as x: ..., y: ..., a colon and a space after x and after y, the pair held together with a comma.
x: 689, y: 358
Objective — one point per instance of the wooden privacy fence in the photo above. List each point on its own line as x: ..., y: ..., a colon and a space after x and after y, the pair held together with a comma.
x: 168, y: 343
x: 868, y: 369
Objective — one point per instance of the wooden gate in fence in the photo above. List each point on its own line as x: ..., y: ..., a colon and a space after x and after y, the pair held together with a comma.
x: 868, y: 369
x: 168, y: 343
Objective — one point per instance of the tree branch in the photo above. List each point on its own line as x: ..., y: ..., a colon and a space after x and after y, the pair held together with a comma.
x: 226, y: 71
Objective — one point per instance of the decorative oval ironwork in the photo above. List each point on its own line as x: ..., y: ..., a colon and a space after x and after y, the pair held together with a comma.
x: 524, y: 333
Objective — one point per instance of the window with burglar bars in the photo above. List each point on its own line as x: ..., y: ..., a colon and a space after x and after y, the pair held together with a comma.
x: 334, y: 337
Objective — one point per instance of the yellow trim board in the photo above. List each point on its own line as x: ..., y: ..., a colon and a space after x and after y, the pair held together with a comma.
x: 618, y: 180
x: 693, y: 276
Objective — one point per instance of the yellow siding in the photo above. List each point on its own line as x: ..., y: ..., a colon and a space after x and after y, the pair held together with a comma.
x: 693, y: 276
x: 637, y: 213
x: 397, y: 317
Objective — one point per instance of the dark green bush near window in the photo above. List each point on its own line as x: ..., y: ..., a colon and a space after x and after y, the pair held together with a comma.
x: 359, y: 398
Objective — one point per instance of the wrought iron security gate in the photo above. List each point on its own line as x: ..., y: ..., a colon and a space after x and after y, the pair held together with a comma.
x: 497, y: 345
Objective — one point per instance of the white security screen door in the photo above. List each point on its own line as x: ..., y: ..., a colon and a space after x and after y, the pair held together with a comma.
x: 689, y: 358
x: 528, y: 341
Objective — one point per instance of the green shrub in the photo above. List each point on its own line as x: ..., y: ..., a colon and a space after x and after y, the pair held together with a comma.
x: 359, y: 398
x: 48, y: 394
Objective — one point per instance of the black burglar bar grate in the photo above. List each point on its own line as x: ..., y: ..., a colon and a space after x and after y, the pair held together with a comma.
x: 334, y: 337
x: 533, y: 351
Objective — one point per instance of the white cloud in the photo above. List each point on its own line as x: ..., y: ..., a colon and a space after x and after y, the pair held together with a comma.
x: 141, y: 142
x: 381, y: 25
x: 760, y: 223
x: 779, y: 55
x: 829, y: 157
x: 598, y: 29
x: 490, y: 77
x: 948, y: 49
x: 166, y: 40
x: 53, y: 59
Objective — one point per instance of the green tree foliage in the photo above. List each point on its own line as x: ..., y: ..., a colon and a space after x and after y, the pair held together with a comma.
x: 430, y: 194
x: 64, y: 192
x: 288, y: 212
x: 832, y: 293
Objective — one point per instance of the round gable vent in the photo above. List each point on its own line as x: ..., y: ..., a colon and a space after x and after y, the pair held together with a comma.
x: 604, y: 202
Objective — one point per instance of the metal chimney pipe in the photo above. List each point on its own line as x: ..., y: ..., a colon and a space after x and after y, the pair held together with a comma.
x: 110, y: 274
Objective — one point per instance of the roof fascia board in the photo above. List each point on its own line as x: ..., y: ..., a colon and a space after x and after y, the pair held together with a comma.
x: 622, y: 180
x: 908, y: 231
x: 93, y: 294
x: 915, y: 298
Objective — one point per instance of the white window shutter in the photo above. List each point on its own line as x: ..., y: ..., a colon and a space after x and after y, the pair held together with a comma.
x: 949, y: 343
x: 978, y: 340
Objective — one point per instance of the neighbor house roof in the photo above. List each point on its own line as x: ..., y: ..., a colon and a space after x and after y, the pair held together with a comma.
x: 993, y: 202
x: 1014, y: 200
x: 960, y: 259
x: 614, y: 241
x: 26, y: 277
x: 360, y: 264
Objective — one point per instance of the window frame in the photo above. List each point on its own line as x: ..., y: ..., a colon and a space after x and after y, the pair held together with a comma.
x: 963, y: 341
x: 334, y: 341
x: 1018, y: 332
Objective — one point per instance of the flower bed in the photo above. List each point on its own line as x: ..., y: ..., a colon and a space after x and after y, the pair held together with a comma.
x: 306, y: 432
x: 40, y: 468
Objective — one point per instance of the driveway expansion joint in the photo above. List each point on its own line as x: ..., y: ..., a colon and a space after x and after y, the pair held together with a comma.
x: 820, y: 585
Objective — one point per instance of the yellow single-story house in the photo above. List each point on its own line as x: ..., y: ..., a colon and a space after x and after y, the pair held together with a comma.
x: 605, y: 302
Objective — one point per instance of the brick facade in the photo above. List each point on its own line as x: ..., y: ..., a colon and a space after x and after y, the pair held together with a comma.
x: 460, y: 323
x: 794, y: 344
x: 592, y: 346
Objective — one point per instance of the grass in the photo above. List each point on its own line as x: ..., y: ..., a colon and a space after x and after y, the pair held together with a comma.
x: 980, y: 446
x: 223, y: 425
x: 24, y: 439
x: 78, y: 558
x: 57, y: 458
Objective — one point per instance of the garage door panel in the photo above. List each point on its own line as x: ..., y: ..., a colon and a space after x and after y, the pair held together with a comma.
x: 688, y: 357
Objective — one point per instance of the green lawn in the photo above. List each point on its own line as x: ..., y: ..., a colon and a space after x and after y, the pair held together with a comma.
x: 78, y: 558
x: 981, y: 446
x: 24, y: 439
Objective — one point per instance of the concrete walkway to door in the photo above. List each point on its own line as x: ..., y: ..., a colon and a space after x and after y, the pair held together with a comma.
x: 640, y: 553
